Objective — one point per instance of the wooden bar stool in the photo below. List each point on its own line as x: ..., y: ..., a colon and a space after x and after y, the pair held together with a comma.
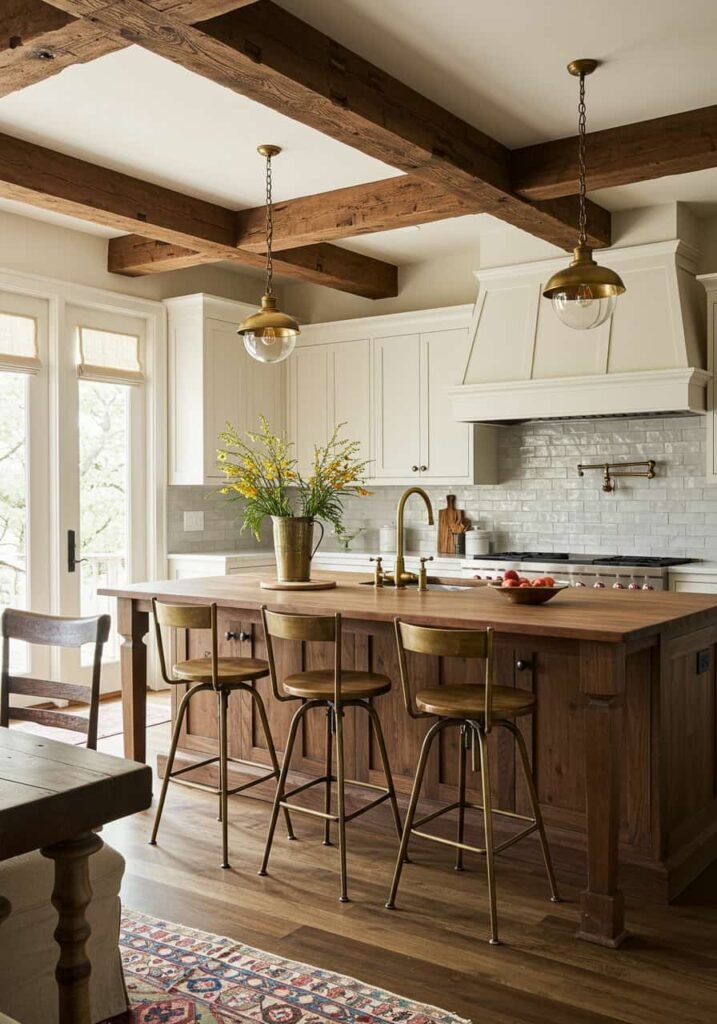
x: 475, y: 709
x: 334, y: 689
x: 224, y: 676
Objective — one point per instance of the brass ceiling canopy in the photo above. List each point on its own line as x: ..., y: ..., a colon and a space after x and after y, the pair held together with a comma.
x: 584, y: 294
x: 269, y: 335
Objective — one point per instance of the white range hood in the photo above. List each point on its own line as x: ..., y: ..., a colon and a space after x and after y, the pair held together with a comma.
x: 650, y: 357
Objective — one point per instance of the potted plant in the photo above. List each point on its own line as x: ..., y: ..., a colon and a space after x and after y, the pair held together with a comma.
x: 264, y: 472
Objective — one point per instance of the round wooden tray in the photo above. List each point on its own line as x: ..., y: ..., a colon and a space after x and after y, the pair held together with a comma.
x: 306, y: 585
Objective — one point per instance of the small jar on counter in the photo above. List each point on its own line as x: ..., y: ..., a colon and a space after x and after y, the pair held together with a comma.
x: 387, y: 539
x: 477, y: 542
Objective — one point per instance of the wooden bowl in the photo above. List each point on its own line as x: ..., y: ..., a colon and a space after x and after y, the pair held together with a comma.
x: 530, y: 595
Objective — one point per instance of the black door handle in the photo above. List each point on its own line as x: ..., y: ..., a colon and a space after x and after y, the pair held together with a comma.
x: 72, y: 560
x: 523, y: 666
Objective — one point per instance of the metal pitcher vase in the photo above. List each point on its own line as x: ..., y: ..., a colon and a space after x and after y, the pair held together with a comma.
x: 293, y: 540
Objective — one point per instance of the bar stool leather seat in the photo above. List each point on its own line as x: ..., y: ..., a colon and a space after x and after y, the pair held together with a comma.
x: 468, y: 701
x: 318, y: 684
x: 229, y: 670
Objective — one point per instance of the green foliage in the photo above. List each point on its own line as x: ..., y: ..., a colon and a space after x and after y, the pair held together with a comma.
x: 263, y: 470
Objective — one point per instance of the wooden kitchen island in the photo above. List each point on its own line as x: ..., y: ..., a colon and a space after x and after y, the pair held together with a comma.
x: 623, y: 741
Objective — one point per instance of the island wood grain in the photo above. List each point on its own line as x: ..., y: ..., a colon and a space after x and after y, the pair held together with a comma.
x: 622, y: 743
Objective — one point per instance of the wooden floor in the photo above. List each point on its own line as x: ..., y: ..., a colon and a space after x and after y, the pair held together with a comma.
x: 434, y: 947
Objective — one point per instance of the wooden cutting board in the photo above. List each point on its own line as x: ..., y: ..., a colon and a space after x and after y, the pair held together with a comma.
x: 450, y: 520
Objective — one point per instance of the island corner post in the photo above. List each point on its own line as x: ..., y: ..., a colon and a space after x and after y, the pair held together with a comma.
x: 623, y: 743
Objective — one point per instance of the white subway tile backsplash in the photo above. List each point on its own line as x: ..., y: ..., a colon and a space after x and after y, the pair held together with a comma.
x: 541, y: 502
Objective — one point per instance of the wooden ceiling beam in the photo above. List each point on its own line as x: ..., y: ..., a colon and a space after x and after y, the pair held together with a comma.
x: 136, y: 255
x: 38, y: 40
x: 53, y: 181
x: 263, y: 52
x: 347, y: 212
x: 675, y: 144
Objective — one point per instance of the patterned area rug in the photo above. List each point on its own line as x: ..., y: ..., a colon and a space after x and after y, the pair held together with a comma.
x: 179, y: 976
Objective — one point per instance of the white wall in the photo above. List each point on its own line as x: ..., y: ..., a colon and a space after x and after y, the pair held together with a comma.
x: 35, y: 247
x: 444, y: 282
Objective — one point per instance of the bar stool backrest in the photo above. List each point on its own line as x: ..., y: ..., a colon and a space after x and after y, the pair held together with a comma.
x: 307, y: 628
x: 53, y: 631
x: 445, y: 643
x: 185, y: 616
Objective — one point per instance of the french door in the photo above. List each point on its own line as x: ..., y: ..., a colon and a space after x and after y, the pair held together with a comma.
x: 73, y: 443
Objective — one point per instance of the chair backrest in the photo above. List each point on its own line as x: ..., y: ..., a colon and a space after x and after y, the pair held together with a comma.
x: 445, y: 643
x: 53, y: 631
x: 307, y: 628
x: 185, y: 616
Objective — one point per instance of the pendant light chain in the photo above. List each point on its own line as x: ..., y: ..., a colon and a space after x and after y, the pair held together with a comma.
x: 269, y: 228
x: 582, y: 121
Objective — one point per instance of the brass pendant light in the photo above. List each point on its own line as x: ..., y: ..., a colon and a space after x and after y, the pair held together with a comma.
x: 584, y: 294
x: 269, y: 335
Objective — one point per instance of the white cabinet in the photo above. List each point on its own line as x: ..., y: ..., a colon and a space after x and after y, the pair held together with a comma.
x: 710, y: 283
x: 396, y: 388
x: 388, y: 378
x: 416, y: 437
x: 193, y: 565
x: 213, y: 380
x: 328, y: 384
x: 694, y: 581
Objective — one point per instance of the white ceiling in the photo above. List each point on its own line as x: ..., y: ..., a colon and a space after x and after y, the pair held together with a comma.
x: 135, y: 112
x: 501, y: 67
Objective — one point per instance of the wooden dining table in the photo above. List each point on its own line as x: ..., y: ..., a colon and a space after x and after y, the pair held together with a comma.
x: 52, y: 797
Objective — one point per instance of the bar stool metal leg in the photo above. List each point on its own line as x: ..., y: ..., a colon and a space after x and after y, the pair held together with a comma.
x: 181, y: 711
x: 378, y: 731
x: 341, y: 797
x: 224, y: 772
x: 488, y: 821
x: 281, y: 785
x: 413, y: 804
x: 537, y: 813
x: 259, y: 704
x: 460, y: 830
x: 329, y: 769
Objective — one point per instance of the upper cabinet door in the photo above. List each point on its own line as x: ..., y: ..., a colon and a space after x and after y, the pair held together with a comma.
x: 213, y: 380
x: 224, y: 389
x: 445, y: 444
x: 351, y: 394
x: 397, y: 407
x: 309, y: 401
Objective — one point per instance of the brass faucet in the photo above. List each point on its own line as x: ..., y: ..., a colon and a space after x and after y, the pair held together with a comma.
x: 400, y: 576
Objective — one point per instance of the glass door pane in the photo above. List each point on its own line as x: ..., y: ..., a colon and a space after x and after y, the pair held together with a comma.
x: 104, y: 435
x: 103, y: 460
x: 13, y: 500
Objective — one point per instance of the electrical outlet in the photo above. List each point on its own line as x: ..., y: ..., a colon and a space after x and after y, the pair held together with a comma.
x: 193, y: 520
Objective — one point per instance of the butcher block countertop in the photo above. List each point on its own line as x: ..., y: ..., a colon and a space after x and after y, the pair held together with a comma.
x: 603, y: 615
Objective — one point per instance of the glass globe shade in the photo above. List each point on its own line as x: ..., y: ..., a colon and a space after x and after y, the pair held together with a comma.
x: 581, y: 310
x: 269, y: 345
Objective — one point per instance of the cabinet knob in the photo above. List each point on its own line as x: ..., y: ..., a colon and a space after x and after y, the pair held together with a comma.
x: 523, y: 666
x: 414, y: 469
x: 423, y: 468
x: 240, y: 636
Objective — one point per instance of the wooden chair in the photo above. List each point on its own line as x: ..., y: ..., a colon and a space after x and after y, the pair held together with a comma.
x: 53, y: 631
x: 475, y: 709
x: 334, y: 689
x: 224, y: 676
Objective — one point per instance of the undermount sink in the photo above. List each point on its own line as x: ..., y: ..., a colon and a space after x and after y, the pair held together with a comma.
x: 430, y: 586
